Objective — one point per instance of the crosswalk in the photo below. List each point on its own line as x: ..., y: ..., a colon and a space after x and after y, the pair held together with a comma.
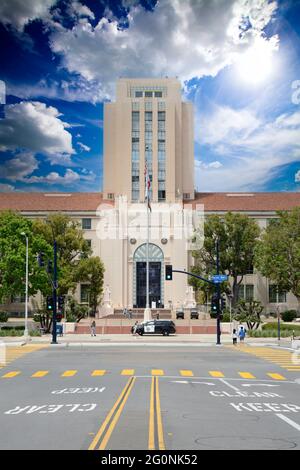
x: 69, y: 373
x: 285, y: 359
x: 11, y: 353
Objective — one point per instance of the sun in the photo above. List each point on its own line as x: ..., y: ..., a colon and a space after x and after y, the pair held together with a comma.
x: 257, y: 64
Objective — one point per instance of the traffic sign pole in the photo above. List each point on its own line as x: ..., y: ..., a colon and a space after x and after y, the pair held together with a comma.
x: 218, y: 294
x: 54, y: 333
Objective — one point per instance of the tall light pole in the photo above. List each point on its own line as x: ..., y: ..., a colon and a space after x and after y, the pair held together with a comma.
x: 26, y: 335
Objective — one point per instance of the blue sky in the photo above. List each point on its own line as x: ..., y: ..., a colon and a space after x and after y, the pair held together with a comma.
x: 238, y: 62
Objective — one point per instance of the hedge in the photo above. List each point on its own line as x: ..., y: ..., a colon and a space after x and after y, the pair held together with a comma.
x: 17, y: 332
x: 270, y: 333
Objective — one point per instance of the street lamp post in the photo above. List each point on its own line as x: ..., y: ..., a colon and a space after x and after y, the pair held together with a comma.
x: 218, y: 292
x: 26, y: 335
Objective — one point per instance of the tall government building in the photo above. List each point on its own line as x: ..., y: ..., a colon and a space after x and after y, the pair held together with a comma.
x: 150, y: 123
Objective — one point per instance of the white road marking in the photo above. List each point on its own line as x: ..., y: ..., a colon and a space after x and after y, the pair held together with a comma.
x: 229, y: 385
x: 41, y: 409
x: 191, y: 382
x: 259, y: 385
x: 289, y: 421
x: 204, y: 383
x: 79, y: 390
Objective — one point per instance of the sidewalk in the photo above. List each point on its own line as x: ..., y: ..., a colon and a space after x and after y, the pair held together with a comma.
x: 121, y: 339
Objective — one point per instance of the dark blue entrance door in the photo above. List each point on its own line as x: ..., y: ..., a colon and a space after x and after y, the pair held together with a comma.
x: 154, y: 283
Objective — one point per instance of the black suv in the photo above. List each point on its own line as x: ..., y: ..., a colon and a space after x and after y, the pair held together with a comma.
x: 158, y: 327
x: 194, y: 314
x: 179, y: 314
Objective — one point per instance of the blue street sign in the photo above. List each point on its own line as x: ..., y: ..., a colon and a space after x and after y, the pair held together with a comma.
x: 218, y: 278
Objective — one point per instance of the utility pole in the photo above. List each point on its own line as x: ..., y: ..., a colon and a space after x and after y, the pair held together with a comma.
x: 54, y: 293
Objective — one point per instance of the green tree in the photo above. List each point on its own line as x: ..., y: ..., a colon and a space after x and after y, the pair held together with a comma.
x: 92, y: 270
x: 249, y: 312
x: 72, y: 248
x: 13, y: 256
x: 75, y: 311
x: 238, y: 235
x: 277, y: 255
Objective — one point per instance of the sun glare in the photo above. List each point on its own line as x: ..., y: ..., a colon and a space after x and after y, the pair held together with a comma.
x: 256, y: 65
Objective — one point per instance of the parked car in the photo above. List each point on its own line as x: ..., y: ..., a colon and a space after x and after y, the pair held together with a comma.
x: 194, y: 314
x: 157, y: 327
x: 179, y: 314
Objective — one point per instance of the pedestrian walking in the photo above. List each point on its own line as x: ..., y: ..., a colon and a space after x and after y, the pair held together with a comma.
x: 242, y: 334
x: 234, y: 337
x: 93, y: 328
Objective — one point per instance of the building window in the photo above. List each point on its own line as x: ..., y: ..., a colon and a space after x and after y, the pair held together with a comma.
x: 161, y: 106
x: 161, y: 195
x: 86, y: 224
x: 135, y: 155
x: 275, y: 295
x: 110, y: 196
x: 84, y: 293
x: 158, y: 94
x: 186, y: 195
x: 148, y: 94
x: 246, y: 292
x: 148, y: 105
x: 138, y: 94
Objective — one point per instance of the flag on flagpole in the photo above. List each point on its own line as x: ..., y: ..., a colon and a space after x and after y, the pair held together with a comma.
x: 147, y: 187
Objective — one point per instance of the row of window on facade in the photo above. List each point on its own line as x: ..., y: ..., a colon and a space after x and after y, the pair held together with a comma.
x: 246, y: 292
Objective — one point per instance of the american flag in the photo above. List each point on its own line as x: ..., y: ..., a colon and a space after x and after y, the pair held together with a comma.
x: 147, y: 186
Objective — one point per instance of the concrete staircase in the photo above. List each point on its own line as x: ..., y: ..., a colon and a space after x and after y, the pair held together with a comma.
x: 120, y: 325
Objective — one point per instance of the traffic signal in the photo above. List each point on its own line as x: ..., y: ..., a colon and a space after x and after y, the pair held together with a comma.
x: 41, y: 259
x: 61, y: 302
x: 169, y: 272
x: 214, y: 304
x: 49, y: 266
x: 223, y: 303
x: 50, y: 303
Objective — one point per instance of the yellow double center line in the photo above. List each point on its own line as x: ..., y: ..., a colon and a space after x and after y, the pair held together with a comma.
x: 112, y: 418
x: 155, y: 411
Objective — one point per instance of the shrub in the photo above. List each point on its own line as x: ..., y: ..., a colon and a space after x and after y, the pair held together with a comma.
x: 11, y: 332
x: 3, y: 317
x: 226, y: 316
x: 34, y: 333
x: 289, y: 315
x: 270, y: 333
x: 10, y: 327
x: 274, y: 325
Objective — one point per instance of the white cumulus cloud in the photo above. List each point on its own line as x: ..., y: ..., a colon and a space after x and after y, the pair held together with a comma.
x: 36, y: 127
x: 297, y: 177
x: 6, y: 188
x: 184, y: 38
x: 84, y: 147
x: 18, y: 13
x: 69, y: 177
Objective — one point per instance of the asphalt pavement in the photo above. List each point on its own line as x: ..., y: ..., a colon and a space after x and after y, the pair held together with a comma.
x: 150, y: 398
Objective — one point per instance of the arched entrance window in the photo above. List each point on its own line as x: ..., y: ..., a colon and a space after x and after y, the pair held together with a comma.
x: 156, y: 275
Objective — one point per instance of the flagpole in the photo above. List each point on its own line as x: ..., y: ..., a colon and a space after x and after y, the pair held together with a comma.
x: 147, y: 311
x: 147, y: 261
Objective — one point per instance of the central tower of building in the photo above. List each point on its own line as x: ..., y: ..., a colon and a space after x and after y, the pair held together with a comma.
x: 150, y: 123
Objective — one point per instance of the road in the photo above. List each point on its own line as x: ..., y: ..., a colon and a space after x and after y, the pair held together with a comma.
x: 157, y: 398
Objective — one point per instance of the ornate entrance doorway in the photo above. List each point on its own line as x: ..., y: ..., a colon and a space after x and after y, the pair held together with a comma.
x: 156, y: 269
